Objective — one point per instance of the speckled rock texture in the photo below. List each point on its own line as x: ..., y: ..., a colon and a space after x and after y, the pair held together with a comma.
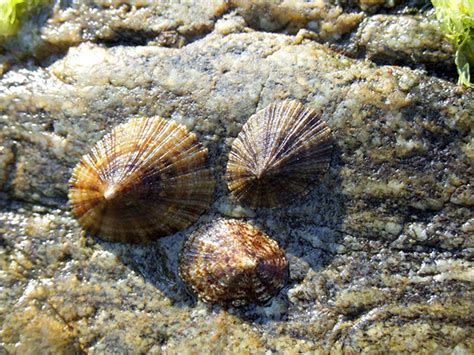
x: 380, y: 252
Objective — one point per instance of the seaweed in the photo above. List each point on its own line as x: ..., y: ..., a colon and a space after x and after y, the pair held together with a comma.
x: 11, y: 12
x: 457, y: 22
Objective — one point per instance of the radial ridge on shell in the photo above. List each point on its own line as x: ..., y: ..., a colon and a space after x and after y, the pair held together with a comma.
x: 147, y: 178
x: 232, y: 263
x: 280, y: 153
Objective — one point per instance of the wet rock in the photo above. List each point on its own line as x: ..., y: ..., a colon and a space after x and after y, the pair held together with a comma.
x: 380, y: 251
x: 413, y: 40
x: 59, y: 25
x: 328, y: 20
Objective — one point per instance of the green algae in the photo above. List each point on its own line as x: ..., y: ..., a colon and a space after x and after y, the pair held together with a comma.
x: 457, y: 22
x: 11, y: 13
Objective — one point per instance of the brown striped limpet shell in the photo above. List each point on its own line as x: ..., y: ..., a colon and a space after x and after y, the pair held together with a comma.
x: 146, y: 179
x: 232, y: 263
x: 279, y: 153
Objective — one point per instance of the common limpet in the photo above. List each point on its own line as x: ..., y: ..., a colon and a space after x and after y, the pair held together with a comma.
x: 279, y: 153
x: 232, y: 262
x: 147, y: 178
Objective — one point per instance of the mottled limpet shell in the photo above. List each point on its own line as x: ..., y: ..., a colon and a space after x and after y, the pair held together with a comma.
x: 279, y: 153
x: 232, y: 262
x: 145, y: 179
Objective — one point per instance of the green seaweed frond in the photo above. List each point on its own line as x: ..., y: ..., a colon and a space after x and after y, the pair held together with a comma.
x: 457, y: 22
x: 11, y: 12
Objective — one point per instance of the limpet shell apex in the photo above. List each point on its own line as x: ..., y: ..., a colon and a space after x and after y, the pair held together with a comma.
x: 146, y: 179
x: 279, y: 153
x: 232, y: 263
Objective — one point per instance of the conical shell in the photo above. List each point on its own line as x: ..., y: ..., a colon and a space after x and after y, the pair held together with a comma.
x: 279, y: 153
x: 231, y: 262
x: 146, y: 179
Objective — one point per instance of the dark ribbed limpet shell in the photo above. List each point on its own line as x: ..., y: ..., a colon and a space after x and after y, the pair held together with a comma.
x: 146, y: 179
x: 232, y: 262
x: 279, y: 153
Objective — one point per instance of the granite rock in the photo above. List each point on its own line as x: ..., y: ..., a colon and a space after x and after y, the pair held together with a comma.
x: 380, y: 251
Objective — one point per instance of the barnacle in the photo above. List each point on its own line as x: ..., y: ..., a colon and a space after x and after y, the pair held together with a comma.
x: 279, y: 153
x: 147, y: 178
x: 232, y: 262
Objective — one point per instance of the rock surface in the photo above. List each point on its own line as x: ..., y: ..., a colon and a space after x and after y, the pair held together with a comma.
x: 380, y: 251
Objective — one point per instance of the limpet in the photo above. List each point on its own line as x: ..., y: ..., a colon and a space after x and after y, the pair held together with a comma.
x: 146, y: 179
x: 231, y: 262
x: 279, y: 153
